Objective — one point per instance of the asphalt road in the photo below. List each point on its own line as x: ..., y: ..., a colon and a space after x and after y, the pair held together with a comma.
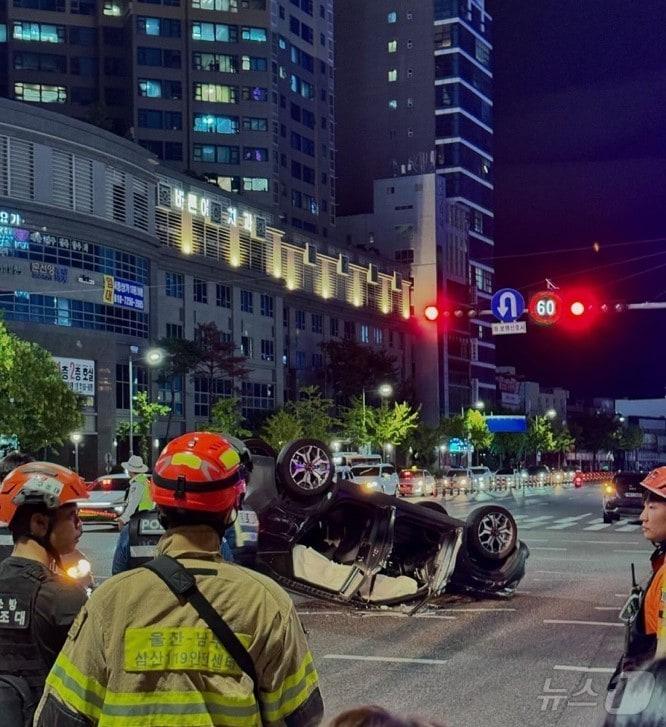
x: 541, y: 658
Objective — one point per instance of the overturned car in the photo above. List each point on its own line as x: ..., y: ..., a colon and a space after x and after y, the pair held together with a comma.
x: 341, y: 542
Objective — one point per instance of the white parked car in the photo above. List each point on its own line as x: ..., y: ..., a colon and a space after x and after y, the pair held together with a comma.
x: 482, y: 477
x: 380, y: 477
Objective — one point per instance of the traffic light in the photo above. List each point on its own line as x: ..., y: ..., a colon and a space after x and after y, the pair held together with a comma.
x: 580, y: 310
x: 431, y: 313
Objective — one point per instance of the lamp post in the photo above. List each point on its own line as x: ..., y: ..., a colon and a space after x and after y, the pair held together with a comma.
x: 75, y: 438
x: 384, y: 390
x: 133, y: 351
x: 479, y: 406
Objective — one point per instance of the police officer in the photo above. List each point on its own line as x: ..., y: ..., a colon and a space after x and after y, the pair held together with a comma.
x: 218, y: 644
x: 138, y: 495
x: 37, y: 607
x: 643, y: 613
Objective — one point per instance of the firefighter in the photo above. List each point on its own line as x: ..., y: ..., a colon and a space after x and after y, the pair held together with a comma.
x: 188, y: 639
x: 37, y: 607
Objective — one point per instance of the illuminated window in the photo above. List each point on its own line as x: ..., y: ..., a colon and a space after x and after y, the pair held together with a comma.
x: 392, y: 17
x: 257, y: 35
x: 215, y: 32
x: 226, y: 6
x: 216, y: 124
x: 41, y: 32
x: 393, y: 75
x: 40, y: 93
x: 393, y: 103
x: 392, y: 46
x: 215, y: 92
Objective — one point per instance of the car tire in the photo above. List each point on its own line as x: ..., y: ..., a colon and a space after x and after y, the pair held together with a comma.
x: 492, y: 533
x: 304, y: 468
x: 608, y: 518
x: 434, y: 506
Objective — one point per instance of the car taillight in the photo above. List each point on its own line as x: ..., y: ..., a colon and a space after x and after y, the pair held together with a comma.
x: 407, y: 474
x: 106, y: 484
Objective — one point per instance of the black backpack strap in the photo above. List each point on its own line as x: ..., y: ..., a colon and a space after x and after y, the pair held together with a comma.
x: 183, y: 585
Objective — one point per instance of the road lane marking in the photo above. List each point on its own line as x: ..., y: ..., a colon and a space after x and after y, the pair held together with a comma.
x: 639, y: 552
x: 476, y: 610
x: 568, y: 522
x: 563, y: 622
x: 607, y: 608
x: 597, y: 524
x: 395, y: 614
x: 621, y: 595
x: 541, y: 547
x: 388, y: 659
x: 554, y: 572
x: 584, y: 669
x: 572, y: 560
x: 602, y: 542
x: 628, y: 529
x: 321, y: 613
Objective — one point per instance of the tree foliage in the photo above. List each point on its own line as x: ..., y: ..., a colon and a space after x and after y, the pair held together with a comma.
x: 378, y: 426
x: 227, y: 418
x: 144, y: 414
x: 182, y: 356
x: 509, y: 447
x: 217, y: 359
x: 540, y: 436
x: 630, y: 437
x: 280, y: 428
x: 37, y: 405
x: 477, y: 430
x: 425, y: 442
x: 352, y: 367
x: 595, y: 432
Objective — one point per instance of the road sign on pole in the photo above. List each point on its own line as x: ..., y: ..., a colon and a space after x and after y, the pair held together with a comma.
x: 507, y: 305
x: 506, y: 329
x: 545, y: 308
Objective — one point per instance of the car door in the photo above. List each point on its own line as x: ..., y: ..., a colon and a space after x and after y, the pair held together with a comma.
x: 376, y: 543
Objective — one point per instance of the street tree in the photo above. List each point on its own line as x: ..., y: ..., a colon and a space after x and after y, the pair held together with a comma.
x: 355, y: 423
x: 37, y: 405
x: 227, y: 418
x: 182, y: 357
x: 564, y: 442
x: 453, y: 427
x: 392, y: 424
x: 425, y: 442
x: 217, y: 359
x: 280, y: 428
x: 540, y: 437
x: 352, y: 368
x: 509, y: 447
x: 144, y: 415
x: 477, y: 431
x: 594, y: 433
x: 629, y: 439
x: 313, y: 413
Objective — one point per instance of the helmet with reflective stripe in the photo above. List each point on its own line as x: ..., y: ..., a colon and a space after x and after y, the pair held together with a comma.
x: 655, y: 482
x: 198, y: 471
x: 39, y: 483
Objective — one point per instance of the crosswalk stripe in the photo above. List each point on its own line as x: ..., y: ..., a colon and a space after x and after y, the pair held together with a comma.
x: 598, y: 526
x: 628, y: 529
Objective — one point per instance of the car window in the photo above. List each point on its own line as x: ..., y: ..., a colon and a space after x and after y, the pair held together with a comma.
x: 479, y: 470
x: 388, y: 469
x: 365, y: 471
x: 411, y: 473
x: 629, y: 480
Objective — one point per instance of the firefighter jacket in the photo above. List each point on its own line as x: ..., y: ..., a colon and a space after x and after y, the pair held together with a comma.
x: 137, y: 657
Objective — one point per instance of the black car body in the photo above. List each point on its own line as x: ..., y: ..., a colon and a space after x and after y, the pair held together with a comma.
x: 338, y: 542
x: 623, y: 495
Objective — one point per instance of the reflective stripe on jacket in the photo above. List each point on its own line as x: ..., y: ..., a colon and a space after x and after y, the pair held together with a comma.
x: 136, y: 657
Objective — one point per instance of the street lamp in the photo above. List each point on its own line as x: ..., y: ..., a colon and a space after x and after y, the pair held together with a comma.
x: 134, y: 350
x: 551, y: 414
x: 155, y: 356
x: 385, y: 391
x: 479, y: 405
x: 75, y: 438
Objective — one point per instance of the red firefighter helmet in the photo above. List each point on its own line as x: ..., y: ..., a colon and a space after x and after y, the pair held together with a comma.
x: 655, y: 482
x: 39, y: 483
x: 198, y: 471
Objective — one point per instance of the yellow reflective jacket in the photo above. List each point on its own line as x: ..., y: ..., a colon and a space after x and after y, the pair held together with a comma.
x: 135, y: 657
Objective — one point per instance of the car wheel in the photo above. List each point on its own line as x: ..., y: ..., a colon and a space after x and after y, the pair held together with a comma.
x: 491, y: 532
x: 304, y: 468
x: 608, y: 518
x: 434, y: 506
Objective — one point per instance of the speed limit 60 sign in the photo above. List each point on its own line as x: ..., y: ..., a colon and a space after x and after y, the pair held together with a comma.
x: 545, y: 308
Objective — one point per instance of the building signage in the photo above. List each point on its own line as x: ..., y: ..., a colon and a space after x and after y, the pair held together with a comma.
x: 48, y: 271
x: 10, y: 217
x: 78, y: 374
x: 195, y: 204
x: 85, y: 280
x: 460, y: 446
x: 107, y: 292
x: 124, y: 293
x: 66, y: 243
x: 10, y: 269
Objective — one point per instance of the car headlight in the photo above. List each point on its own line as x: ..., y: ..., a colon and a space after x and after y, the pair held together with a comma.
x: 118, y: 509
x: 463, y: 481
x: 609, y: 489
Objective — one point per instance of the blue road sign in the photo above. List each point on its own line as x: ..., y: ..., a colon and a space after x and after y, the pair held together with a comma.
x: 507, y: 305
x: 502, y: 423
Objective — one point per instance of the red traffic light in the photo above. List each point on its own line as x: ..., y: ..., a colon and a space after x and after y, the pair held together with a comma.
x: 431, y: 313
x: 577, y: 308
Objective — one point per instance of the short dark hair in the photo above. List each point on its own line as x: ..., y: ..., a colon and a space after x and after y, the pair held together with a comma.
x: 13, y: 460
x: 19, y: 527
x: 172, y: 517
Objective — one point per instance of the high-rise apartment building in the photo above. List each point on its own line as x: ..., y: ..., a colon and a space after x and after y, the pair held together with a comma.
x: 414, y: 96
x: 237, y: 91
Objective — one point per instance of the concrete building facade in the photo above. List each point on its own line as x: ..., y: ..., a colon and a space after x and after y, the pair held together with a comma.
x: 103, y: 248
x: 239, y: 92
x: 414, y: 89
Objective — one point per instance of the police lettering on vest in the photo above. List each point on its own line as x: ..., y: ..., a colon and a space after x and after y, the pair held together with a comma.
x: 144, y: 532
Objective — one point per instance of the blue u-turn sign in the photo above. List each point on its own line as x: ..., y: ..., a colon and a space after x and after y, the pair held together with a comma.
x: 507, y: 305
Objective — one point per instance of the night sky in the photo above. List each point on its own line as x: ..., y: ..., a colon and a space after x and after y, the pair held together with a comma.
x: 580, y: 156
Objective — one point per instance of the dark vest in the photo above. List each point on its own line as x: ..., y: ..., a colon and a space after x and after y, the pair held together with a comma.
x: 20, y: 653
x: 144, y: 532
